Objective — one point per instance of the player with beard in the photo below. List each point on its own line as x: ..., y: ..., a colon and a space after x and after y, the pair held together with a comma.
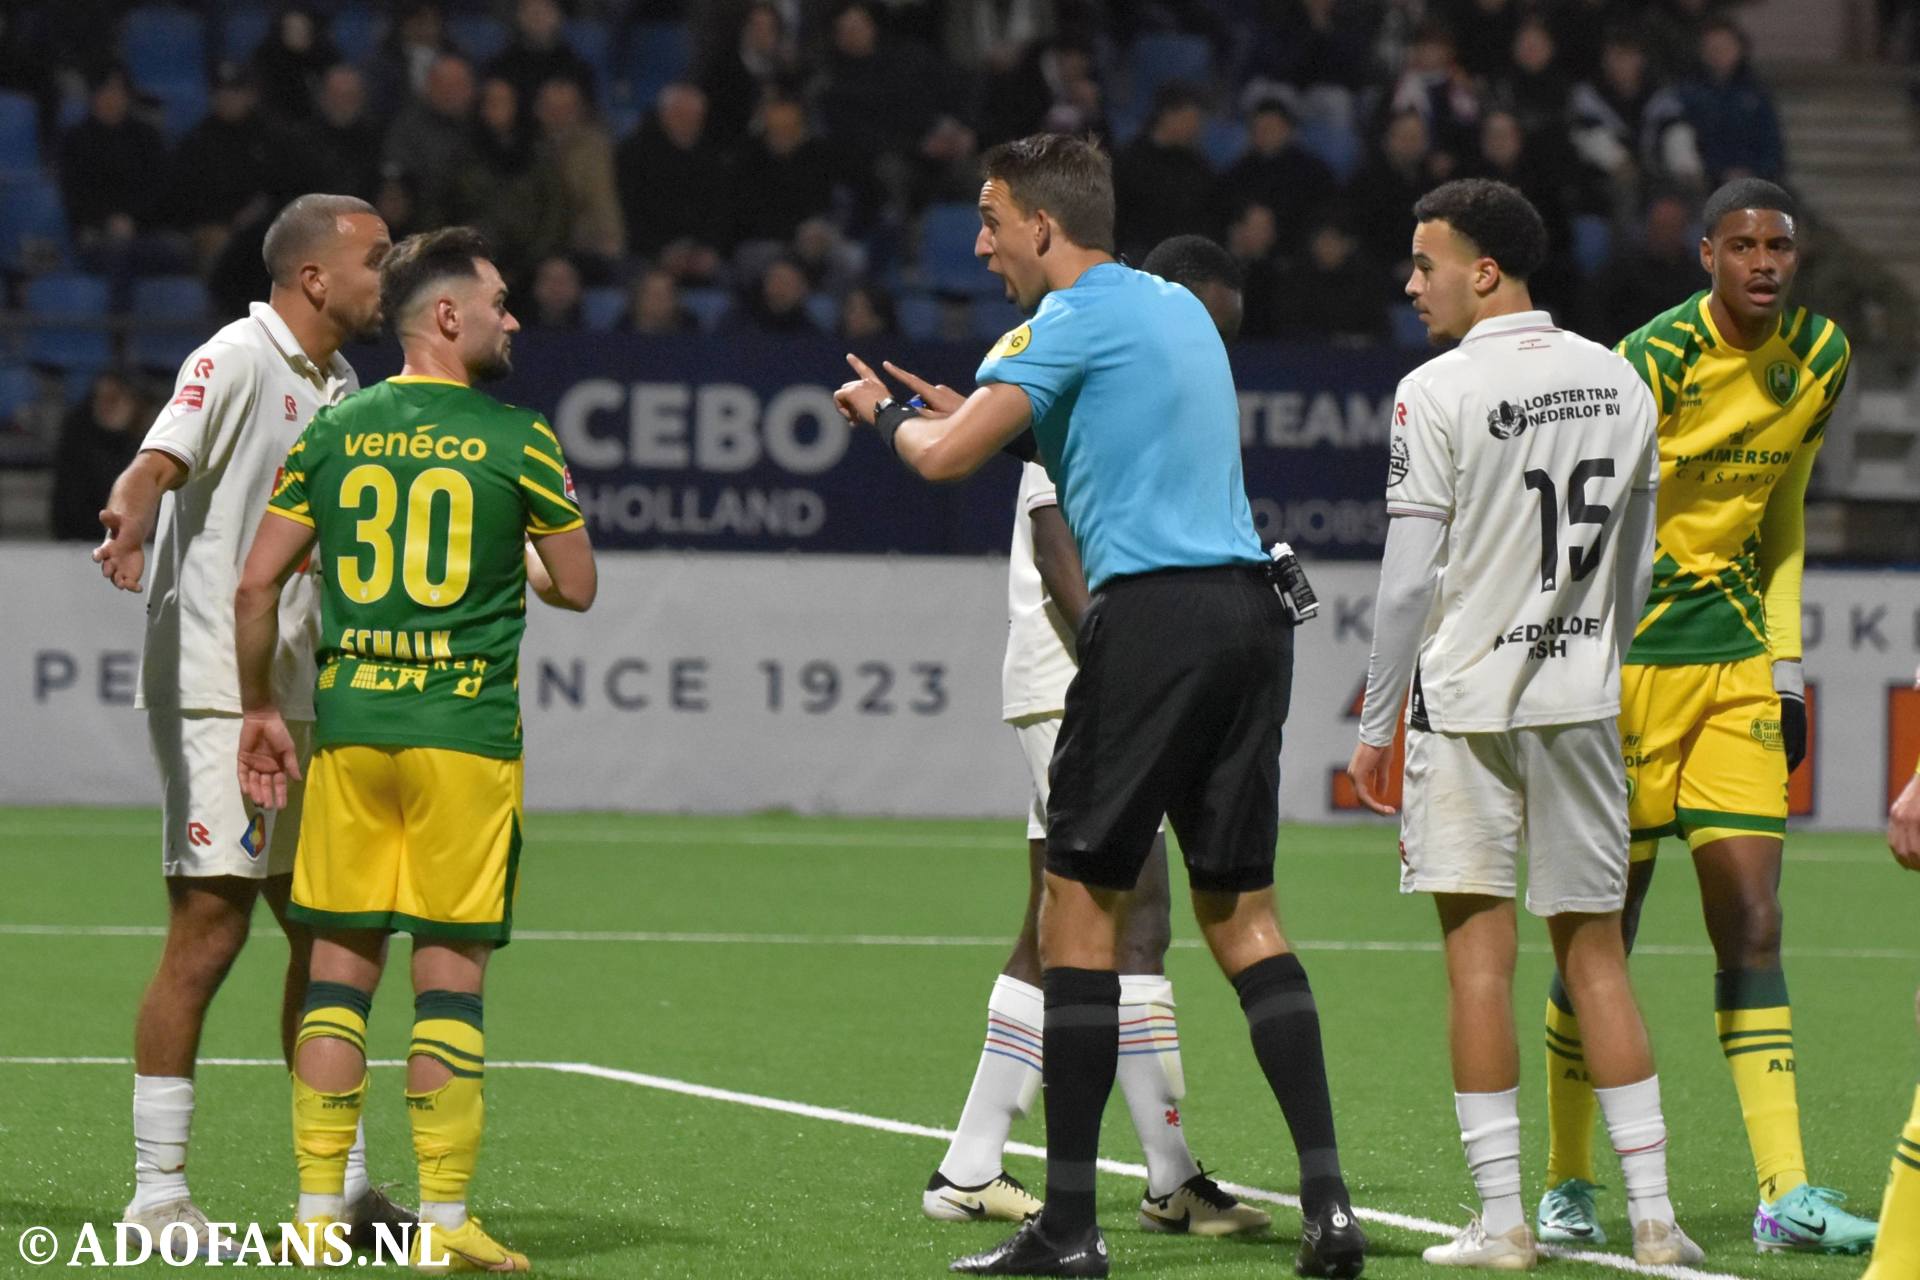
x: 431, y: 507
x: 202, y: 478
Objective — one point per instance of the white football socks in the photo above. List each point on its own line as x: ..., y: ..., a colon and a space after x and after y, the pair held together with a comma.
x: 445, y: 1214
x: 162, y: 1117
x: 1639, y: 1134
x: 1005, y: 1083
x: 1490, y: 1131
x: 1151, y: 1077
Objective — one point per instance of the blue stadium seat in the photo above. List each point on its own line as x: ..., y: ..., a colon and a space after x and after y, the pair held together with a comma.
x: 69, y: 298
x: 602, y: 308
x: 1334, y: 144
x: 657, y: 54
x: 19, y: 134
x: 1407, y: 329
x: 356, y: 31
x: 183, y: 303
x: 19, y: 387
x: 709, y: 306
x: 160, y: 45
x: 592, y: 40
x: 947, y: 264
x: 1592, y: 244
x: 919, y: 316
x: 33, y: 225
x: 1163, y: 59
x: 993, y: 317
x: 242, y: 29
x: 478, y: 36
x: 183, y: 101
x: 824, y: 310
x: 1224, y: 141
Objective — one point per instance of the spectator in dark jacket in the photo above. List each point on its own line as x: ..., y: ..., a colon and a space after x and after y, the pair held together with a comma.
x: 1623, y: 125
x: 1334, y: 292
x: 1731, y: 112
x: 1534, y: 88
x: 653, y: 305
x: 430, y: 139
x: 112, y: 167
x: 1278, y: 172
x: 776, y: 306
x: 874, y: 99
x: 512, y: 190
x: 760, y: 58
x: 556, y: 295
x: 1401, y: 171
x: 236, y: 171
x: 540, y: 52
x: 398, y: 71
x: 1162, y: 183
x: 289, y: 63
x: 98, y: 438
x: 782, y: 178
x: 673, y: 186
x: 1652, y: 275
x: 339, y: 148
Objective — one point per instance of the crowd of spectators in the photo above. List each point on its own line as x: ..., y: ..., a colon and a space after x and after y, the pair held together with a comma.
x: 803, y: 138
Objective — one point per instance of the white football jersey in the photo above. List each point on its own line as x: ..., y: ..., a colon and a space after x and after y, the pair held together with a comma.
x: 1526, y: 440
x: 239, y: 403
x: 1039, y: 665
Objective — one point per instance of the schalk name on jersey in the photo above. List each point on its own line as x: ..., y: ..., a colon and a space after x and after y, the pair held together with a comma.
x: 1549, y: 639
x: 1511, y: 418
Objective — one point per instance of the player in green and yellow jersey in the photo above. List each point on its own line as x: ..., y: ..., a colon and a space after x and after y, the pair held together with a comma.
x: 1745, y: 385
x: 431, y: 507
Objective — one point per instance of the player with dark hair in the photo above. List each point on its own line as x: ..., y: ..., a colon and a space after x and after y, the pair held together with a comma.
x: 1185, y: 655
x: 1046, y: 597
x: 1520, y: 440
x: 201, y: 479
x: 420, y: 497
x: 1713, y: 708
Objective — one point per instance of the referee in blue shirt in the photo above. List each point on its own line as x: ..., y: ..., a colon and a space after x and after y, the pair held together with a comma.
x: 1186, y: 665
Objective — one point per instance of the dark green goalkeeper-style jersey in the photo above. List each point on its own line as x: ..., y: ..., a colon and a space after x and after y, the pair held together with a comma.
x: 421, y: 493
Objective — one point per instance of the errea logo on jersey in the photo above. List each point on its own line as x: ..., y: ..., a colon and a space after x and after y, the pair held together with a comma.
x: 398, y: 444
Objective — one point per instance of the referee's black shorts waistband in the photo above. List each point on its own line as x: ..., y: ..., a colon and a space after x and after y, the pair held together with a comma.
x: 1194, y: 573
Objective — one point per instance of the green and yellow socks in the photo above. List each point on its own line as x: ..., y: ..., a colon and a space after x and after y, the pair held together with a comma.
x: 1756, y: 1035
x: 448, y: 1120
x: 1896, y: 1254
x: 325, y: 1124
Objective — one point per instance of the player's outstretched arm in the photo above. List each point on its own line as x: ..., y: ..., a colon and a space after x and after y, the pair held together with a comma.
x: 568, y: 578
x: 129, y: 515
x: 1903, y: 825
x: 267, y: 756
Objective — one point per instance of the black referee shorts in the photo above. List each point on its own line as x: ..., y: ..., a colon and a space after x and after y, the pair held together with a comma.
x: 1184, y: 682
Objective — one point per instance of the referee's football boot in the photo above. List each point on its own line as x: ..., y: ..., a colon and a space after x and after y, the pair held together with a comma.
x: 1331, y: 1244
x: 1000, y: 1198
x: 1200, y: 1207
x: 373, y: 1209
x: 1031, y: 1252
x: 466, y: 1247
x: 1568, y: 1215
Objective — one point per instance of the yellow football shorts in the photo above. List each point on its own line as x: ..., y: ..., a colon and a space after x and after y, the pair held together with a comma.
x: 1704, y: 753
x: 420, y: 840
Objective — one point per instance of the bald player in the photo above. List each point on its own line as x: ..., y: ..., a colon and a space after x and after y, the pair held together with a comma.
x: 201, y: 481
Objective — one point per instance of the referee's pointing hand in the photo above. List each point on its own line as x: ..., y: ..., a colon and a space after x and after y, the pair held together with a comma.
x: 858, y: 399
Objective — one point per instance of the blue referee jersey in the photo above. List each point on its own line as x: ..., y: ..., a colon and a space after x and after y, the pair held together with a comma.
x: 1137, y: 421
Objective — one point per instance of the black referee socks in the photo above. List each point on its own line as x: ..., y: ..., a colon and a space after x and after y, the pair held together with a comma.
x: 1285, y: 1026
x: 1081, y: 1054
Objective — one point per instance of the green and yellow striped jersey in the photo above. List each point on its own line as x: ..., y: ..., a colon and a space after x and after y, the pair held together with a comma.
x: 1733, y: 424
x: 421, y: 493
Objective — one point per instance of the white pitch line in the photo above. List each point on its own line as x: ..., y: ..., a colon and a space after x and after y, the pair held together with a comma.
x: 881, y: 1124
x: 1360, y: 945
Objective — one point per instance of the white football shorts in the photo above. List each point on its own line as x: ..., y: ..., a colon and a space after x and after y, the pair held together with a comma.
x: 208, y: 828
x: 1473, y: 800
